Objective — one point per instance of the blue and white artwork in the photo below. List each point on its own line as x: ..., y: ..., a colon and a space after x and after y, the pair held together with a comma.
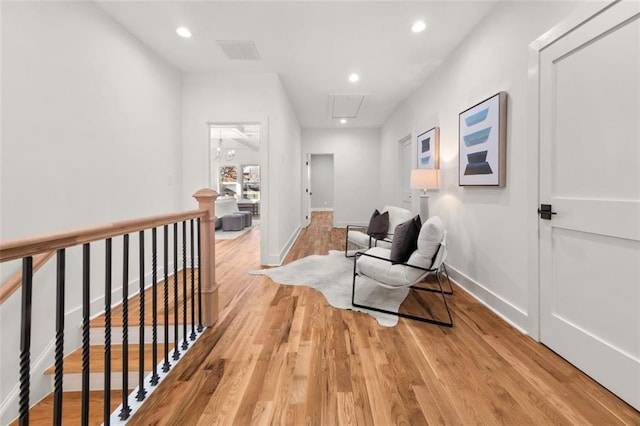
x: 428, y: 149
x: 481, y: 145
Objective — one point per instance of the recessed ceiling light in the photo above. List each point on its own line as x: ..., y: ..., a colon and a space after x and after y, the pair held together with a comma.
x: 418, y: 27
x: 343, y: 121
x: 183, y: 32
x: 353, y: 77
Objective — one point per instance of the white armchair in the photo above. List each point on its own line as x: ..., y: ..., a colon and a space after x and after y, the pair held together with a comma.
x: 428, y: 258
x: 358, y: 239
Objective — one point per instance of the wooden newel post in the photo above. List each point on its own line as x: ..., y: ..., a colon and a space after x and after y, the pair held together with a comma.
x: 210, y: 306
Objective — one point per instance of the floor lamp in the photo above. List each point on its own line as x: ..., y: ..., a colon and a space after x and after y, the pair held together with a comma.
x: 424, y: 179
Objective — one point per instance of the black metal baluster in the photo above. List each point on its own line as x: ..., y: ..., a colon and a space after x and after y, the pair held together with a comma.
x: 126, y: 409
x: 193, y: 285
x: 107, y: 334
x: 25, y: 339
x: 200, y: 328
x: 166, y: 365
x: 86, y: 313
x: 141, y: 390
x: 176, y: 352
x: 59, y: 351
x: 154, y: 306
x: 185, y: 341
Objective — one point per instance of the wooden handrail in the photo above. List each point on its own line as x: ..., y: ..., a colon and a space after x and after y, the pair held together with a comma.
x: 45, y: 246
x: 31, y: 246
x: 14, y: 282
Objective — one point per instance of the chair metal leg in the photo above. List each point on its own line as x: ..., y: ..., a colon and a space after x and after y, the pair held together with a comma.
x: 346, y: 244
x: 401, y: 314
x: 444, y: 267
x: 433, y: 290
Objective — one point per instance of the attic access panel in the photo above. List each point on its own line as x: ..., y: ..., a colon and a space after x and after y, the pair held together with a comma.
x: 346, y: 105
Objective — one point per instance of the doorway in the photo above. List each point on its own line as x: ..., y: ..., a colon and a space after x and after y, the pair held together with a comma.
x: 321, y: 182
x: 405, y: 166
x: 589, y: 187
x: 236, y: 170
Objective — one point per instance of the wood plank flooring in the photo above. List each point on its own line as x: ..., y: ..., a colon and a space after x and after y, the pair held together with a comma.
x: 282, y: 355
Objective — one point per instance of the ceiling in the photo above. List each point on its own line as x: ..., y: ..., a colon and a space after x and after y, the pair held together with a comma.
x: 312, y: 45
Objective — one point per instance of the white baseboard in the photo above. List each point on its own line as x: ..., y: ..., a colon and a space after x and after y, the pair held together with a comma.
x: 322, y: 209
x: 277, y: 260
x: 513, y: 315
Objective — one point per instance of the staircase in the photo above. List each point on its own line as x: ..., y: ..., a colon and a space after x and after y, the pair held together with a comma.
x: 126, y: 345
x: 41, y: 413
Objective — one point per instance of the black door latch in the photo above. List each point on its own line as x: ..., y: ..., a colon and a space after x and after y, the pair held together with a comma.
x: 545, y: 211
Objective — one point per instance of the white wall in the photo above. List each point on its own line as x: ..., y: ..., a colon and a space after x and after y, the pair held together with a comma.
x: 322, y: 185
x: 357, y: 170
x: 250, y: 98
x: 487, y: 226
x: 91, y: 131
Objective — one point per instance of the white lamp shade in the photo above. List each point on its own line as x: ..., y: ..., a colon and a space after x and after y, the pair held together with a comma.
x: 424, y: 179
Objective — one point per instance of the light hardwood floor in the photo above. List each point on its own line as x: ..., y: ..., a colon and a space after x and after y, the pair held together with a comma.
x: 281, y: 355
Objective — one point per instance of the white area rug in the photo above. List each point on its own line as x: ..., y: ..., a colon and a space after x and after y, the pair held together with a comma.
x: 332, y: 275
x: 232, y: 235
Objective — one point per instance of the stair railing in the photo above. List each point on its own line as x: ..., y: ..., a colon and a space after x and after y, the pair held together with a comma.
x: 197, y: 240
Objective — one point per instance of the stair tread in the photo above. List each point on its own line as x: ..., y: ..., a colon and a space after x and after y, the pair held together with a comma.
x: 73, y: 361
x: 42, y: 412
x: 134, y: 305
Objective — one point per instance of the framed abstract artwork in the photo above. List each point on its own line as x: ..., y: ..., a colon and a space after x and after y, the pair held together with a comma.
x: 482, y: 131
x: 428, y: 149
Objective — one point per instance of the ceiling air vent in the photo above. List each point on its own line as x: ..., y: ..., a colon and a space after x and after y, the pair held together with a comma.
x: 239, y: 49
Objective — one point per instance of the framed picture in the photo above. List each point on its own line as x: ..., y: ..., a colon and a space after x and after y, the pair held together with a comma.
x: 428, y: 149
x: 228, y: 173
x: 482, y: 131
x: 228, y: 181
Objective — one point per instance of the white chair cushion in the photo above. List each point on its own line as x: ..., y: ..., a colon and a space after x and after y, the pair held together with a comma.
x: 225, y: 206
x: 382, y: 244
x: 385, y: 272
x: 430, y: 237
x: 361, y: 239
x: 397, y: 215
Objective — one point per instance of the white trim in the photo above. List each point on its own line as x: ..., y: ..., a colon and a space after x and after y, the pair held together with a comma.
x: 510, y: 313
x: 582, y: 15
x: 322, y: 209
x: 277, y: 260
x: 266, y: 227
x: 306, y: 197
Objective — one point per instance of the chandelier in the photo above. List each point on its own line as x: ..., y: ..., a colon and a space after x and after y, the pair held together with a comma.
x: 222, y: 153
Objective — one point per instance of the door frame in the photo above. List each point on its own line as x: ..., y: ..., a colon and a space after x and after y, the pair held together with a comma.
x: 399, y: 158
x: 265, y: 193
x: 582, y: 16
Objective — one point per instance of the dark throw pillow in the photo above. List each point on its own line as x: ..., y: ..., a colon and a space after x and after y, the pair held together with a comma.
x: 405, y: 240
x: 378, y: 225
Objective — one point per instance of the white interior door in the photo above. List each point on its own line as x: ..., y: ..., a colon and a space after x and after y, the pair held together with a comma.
x: 406, y: 164
x: 307, y: 193
x: 590, y: 174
